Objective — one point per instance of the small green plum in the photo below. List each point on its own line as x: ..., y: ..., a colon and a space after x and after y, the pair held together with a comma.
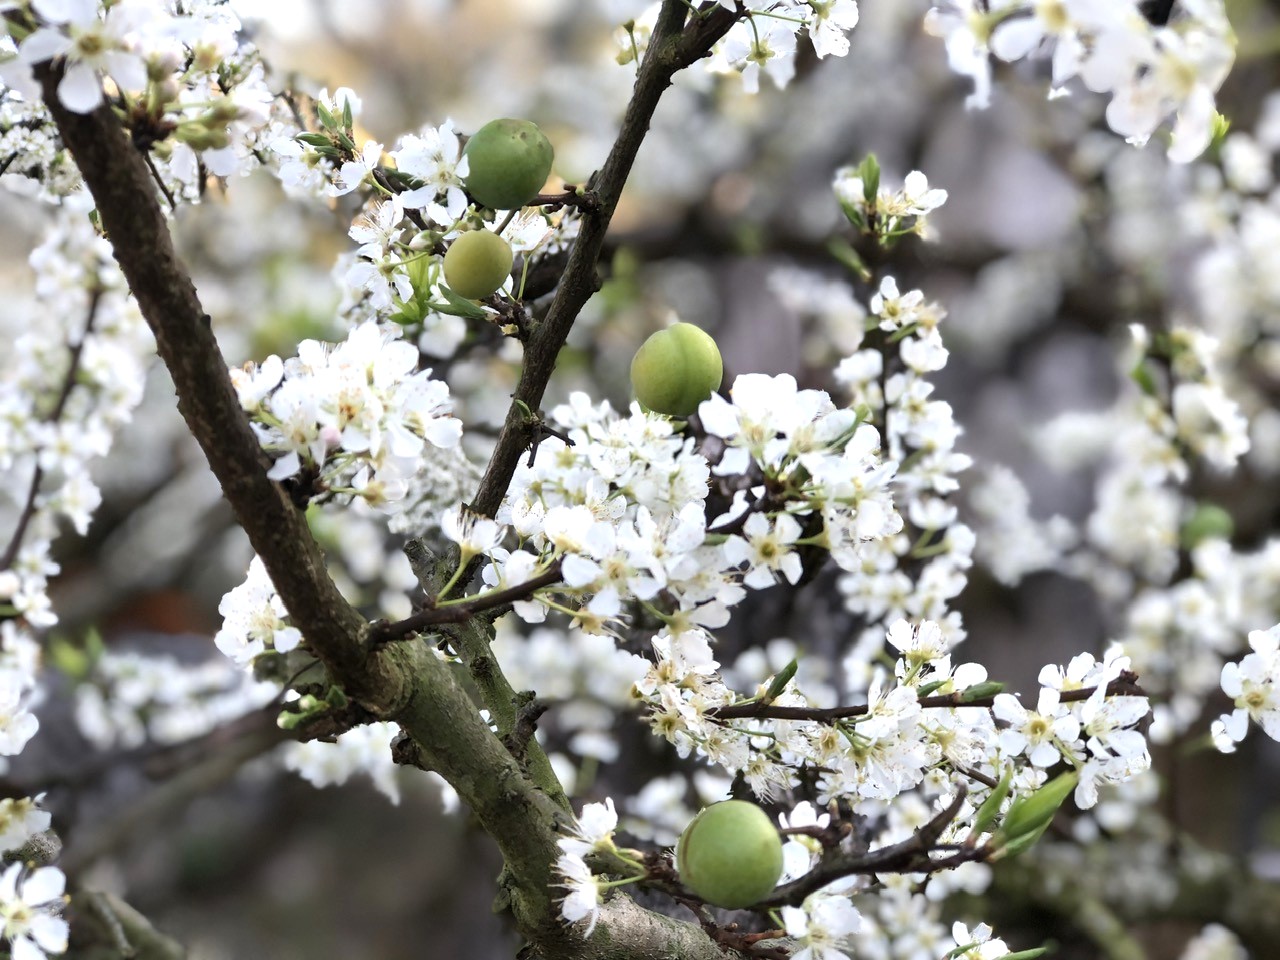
x: 508, y: 162
x: 1207, y: 522
x: 730, y: 854
x: 477, y: 264
x: 676, y: 369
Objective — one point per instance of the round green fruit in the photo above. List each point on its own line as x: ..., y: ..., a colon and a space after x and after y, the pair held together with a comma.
x: 508, y: 162
x: 676, y: 369
x: 1207, y: 522
x: 730, y: 854
x: 477, y: 264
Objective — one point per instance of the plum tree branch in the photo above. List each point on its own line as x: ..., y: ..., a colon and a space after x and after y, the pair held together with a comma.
x: 672, y: 47
x: 460, y: 612
x: 117, y: 176
x: 1126, y: 685
x: 1204, y: 887
x: 913, y: 855
x: 37, y: 475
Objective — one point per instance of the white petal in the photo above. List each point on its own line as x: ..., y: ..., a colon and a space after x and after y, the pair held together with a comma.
x: 286, y: 466
x: 49, y: 932
x: 44, y: 45
x: 47, y: 883
x: 80, y: 90
x: 126, y: 69
x: 1014, y: 39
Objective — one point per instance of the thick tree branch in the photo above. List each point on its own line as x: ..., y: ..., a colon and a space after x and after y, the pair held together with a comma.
x: 470, y: 638
x: 669, y: 50
x: 125, y: 194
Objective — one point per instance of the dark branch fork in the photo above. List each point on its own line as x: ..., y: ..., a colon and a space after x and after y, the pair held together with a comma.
x: 434, y: 615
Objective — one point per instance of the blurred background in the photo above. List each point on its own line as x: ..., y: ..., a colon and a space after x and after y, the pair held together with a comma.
x: 1056, y: 236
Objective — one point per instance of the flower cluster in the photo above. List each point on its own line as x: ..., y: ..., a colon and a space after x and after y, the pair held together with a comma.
x: 604, y: 508
x: 364, y: 749
x: 131, y: 699
x: 395, y: 274
x: 887, y: 214
x: 182, y: 66
x: 764, y: 41
x: 1251, y: 684
x: 253, y: 619
x: 1151, y: 71
x: 921, y: 434
x: 895, y: 744
x: 355, y: 416
x: 822, y: 925
x: 67, y: 385
x: 592, y: 833
x: 1094, y: 735
x: 1176, y: 415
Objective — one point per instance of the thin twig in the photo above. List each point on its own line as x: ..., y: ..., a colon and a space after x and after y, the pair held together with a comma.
x: 1126, y: 685
x: 913, y: 855
x: 172, y: 795
x: 68, y: 384
x: 459, y: 612
x: 672, y: 47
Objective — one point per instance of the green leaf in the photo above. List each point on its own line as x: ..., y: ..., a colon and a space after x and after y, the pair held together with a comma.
x: 843, y: 251
x: 1144, y: 377
x: 869, y: 171
x: 1030, y: 816
x: 990, y: 808
x: 780, y: 681
x: 410, y: 312
x: 981, y: 691
x: 459, y: 306
x: 326, y: 118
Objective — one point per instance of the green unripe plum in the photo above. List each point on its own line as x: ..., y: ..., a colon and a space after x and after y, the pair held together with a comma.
x: 477, y: 264
x: 1208, y: 522
x: 676, y: 369
x: 508, y: 162
x: 730, y: 854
